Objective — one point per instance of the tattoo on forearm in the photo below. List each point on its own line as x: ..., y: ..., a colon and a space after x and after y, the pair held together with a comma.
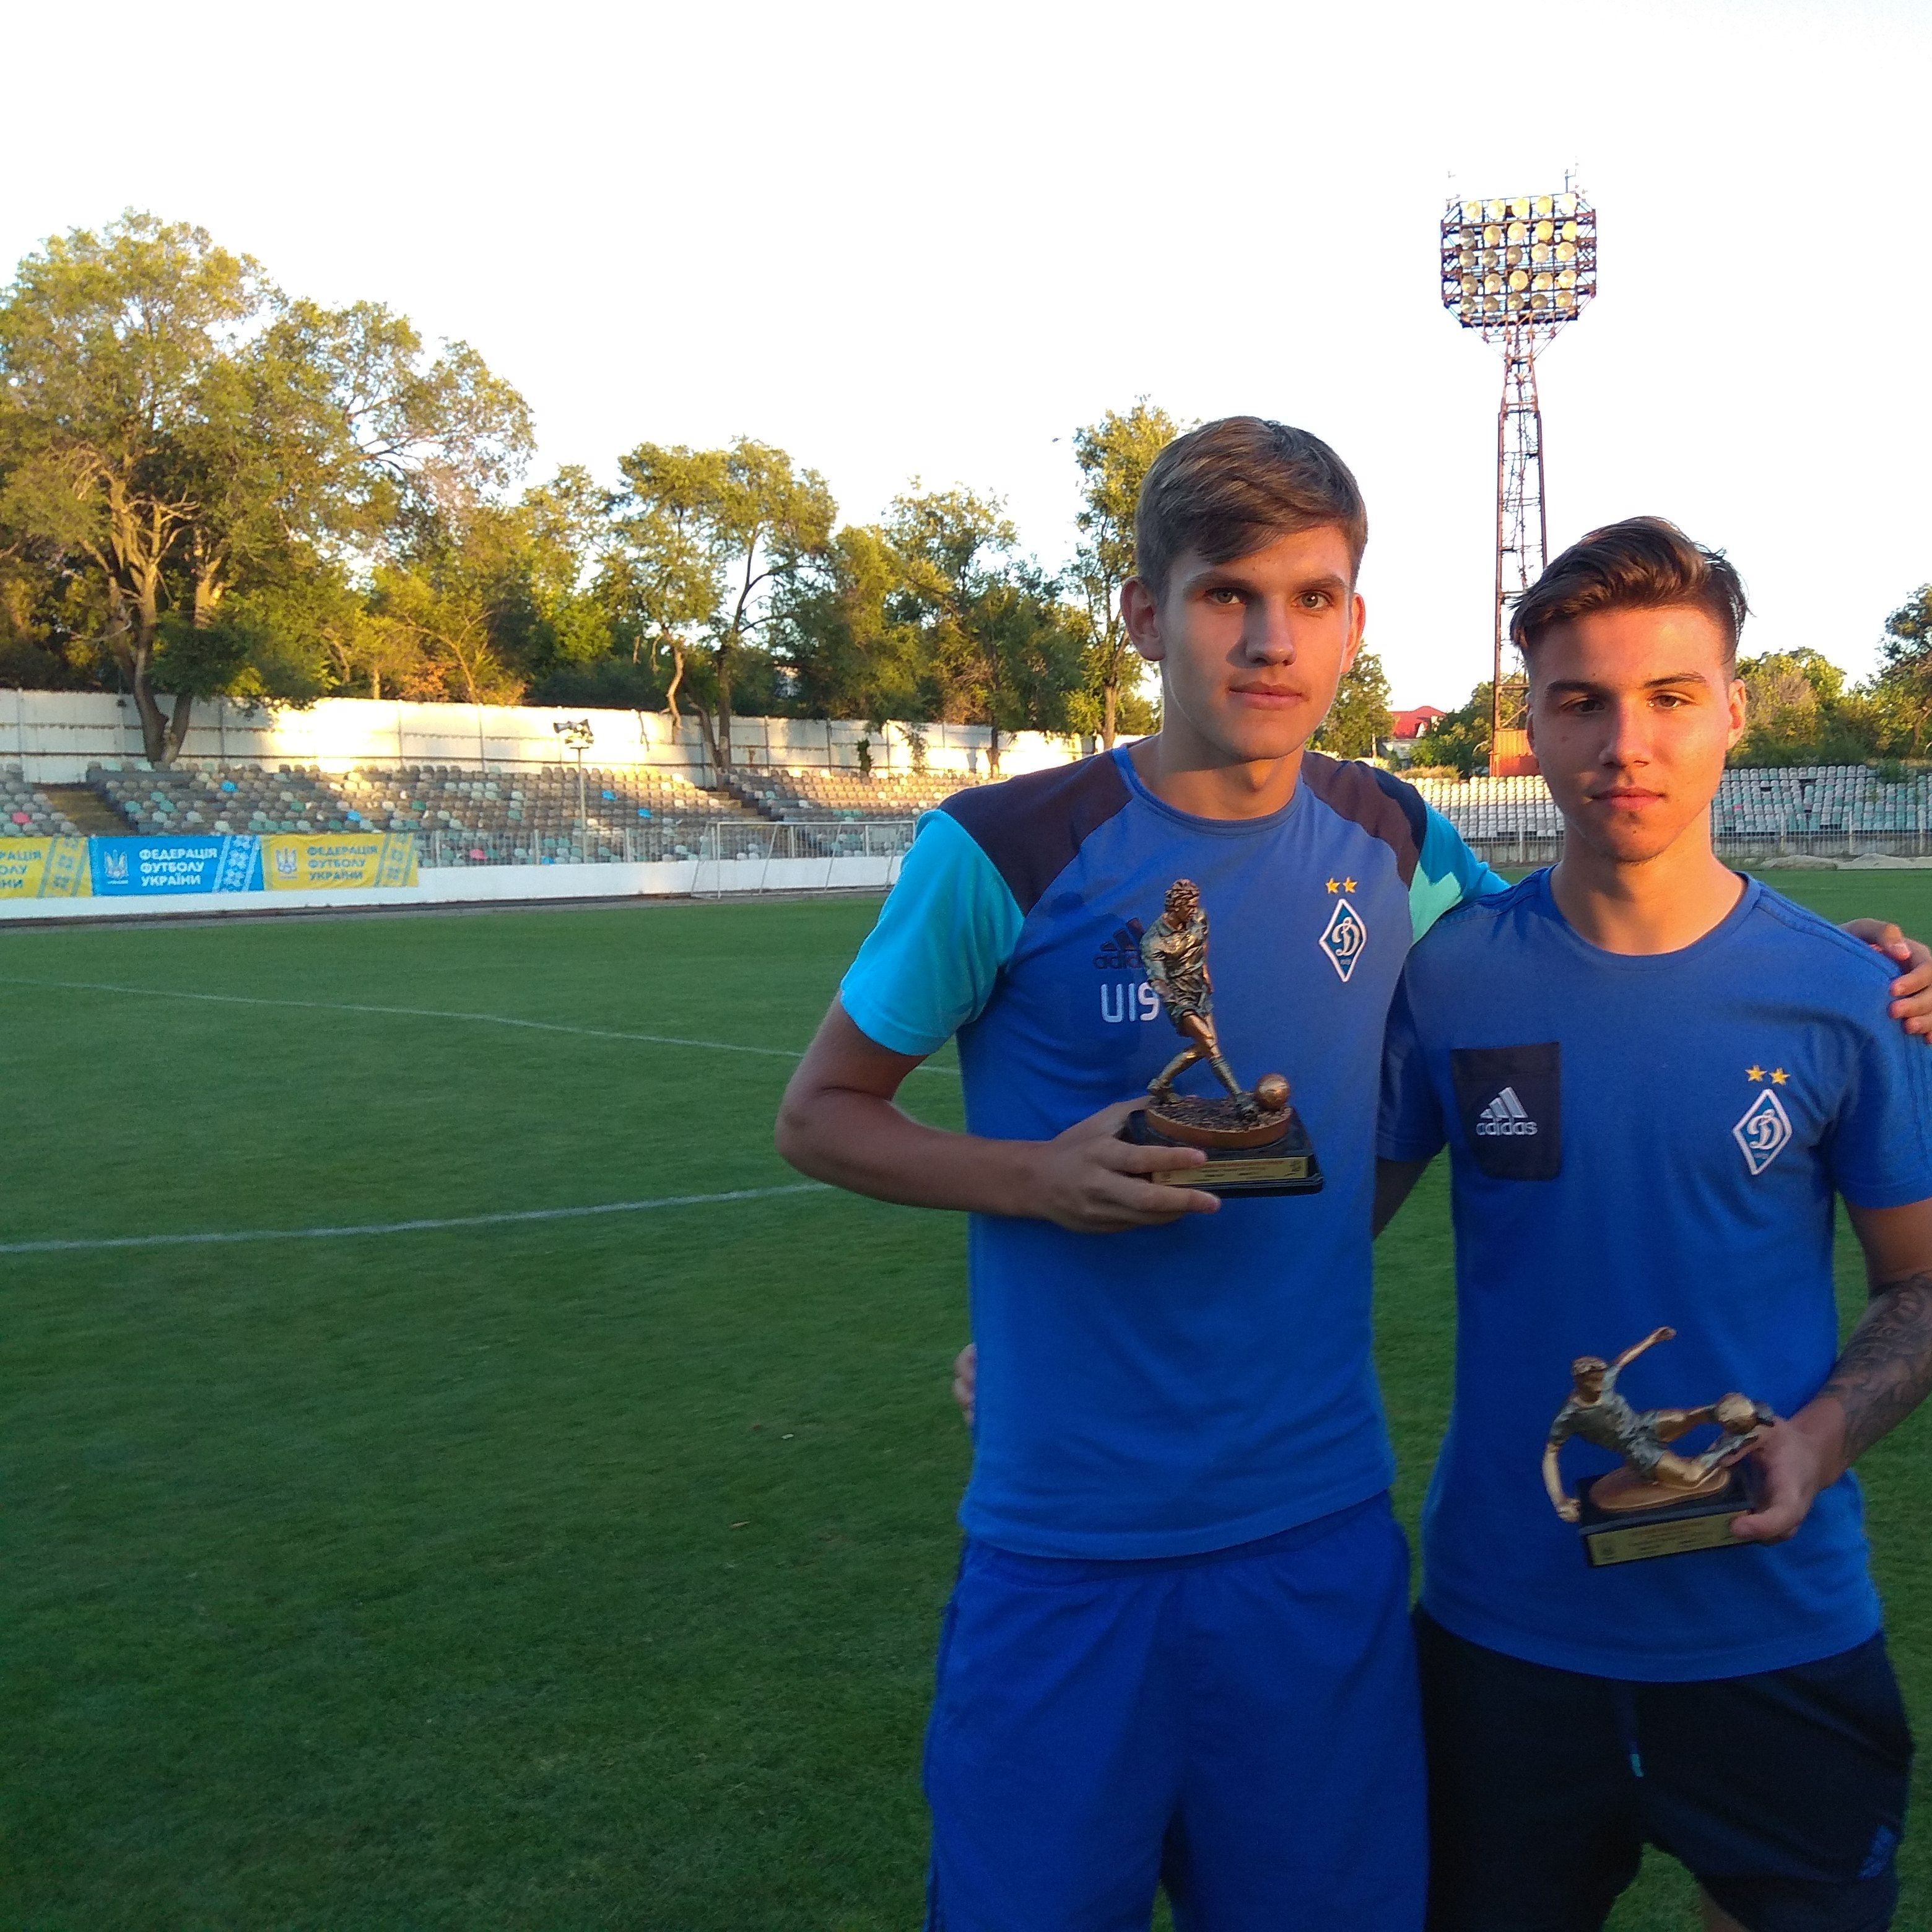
x: 1885, y: 1371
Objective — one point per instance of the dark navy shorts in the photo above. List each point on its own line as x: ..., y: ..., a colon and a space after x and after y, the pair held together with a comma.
x: 1784, y: 1792
x: 1241, y: 1727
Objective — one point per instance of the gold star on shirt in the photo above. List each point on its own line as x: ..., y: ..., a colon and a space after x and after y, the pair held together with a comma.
x: 1779, y: 1076
x: 1334, y: 885
x: 1347, y: 885
x: 1753, y: 1072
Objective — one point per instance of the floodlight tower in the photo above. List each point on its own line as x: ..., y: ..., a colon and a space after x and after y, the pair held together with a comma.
x: 1518, y: 268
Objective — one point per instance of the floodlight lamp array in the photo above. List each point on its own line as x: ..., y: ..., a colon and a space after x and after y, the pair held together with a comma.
x: 1524, y: 261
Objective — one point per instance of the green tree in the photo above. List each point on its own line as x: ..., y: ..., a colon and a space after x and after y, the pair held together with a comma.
x: 995, y: 645
x: 434, y: 616
x: 1903, y: 688
x: 183, y: 432
x: 1113, y: 455
x: 1461, y: 738
x: 659, y: 578
x: 951, y: 545
x: 548, y: 613
x: 481, y: 598
x: 730, y: 529
x: 847, y: 632
x: 1788, y: 697
x: 1033, y: 655
x: 1360, y: 718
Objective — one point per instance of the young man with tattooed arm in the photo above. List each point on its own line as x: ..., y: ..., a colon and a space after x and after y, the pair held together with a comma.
x: 1654, y: 1078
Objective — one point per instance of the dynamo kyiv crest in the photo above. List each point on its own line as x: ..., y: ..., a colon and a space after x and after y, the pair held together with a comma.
x: 1764, y: 1132
x: 1344, y: 939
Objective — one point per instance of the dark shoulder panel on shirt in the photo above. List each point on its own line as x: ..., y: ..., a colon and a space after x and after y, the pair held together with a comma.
x: 1382, y: 804
x: 1032, y: 826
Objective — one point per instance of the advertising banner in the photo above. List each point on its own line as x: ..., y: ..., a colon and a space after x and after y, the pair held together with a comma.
x: 43, y: 868
x: 304, y: 861
x: 143, y: 867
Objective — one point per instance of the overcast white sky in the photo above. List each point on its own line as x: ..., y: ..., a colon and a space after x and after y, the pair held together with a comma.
x: 931, y: 240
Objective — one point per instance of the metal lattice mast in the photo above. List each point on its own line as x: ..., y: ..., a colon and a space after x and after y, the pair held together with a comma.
x: 1523, y: 526
x: 1517, y: 269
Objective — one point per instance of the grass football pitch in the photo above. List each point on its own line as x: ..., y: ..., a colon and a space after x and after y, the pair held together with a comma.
x: 540, y: 1574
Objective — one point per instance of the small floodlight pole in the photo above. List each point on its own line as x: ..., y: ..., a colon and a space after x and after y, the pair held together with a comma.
x: 1517, y: 269
x: 578, y: 737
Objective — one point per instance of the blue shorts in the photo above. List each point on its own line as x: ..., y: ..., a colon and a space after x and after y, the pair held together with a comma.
x: 1242, y: 1727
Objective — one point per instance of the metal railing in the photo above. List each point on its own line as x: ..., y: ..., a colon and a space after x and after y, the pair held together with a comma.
x: 712, y: 841
x: 708, y: 841
x: 1745, y: 846
x: 1525, y: 850
x: 1520, y: 851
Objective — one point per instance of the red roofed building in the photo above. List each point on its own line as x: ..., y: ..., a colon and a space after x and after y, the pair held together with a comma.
x: 1411, y: 725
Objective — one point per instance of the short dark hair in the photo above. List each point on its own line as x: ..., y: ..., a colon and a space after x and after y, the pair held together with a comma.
x: 1642, y: 563
x: 1232, y: 486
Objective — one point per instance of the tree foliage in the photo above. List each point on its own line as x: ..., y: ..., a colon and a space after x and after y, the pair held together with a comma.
x: 179, y: 434
x: 848, y: 632
x: 1902, y: 692
x: 992, y: 642
x: 1113, y: 456
x: 1798, y: 712
x: 709, y: 537
x: 1460, y: 739
x: 1360, y: 718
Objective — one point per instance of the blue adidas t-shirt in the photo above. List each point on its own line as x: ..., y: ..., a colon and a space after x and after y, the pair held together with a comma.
x: 1639, y: 1141
x: 1167, y: 1391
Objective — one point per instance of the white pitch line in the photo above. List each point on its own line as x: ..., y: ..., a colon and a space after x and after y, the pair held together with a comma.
x: 411, y: 1227
x: 422, y: 1013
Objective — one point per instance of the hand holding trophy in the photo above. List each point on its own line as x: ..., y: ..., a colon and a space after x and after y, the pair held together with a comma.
x: 1659, y: 1504
x: 1255, y: 1141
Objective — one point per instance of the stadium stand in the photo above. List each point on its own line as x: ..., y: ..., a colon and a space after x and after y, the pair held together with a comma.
x: 465, y: 815
x: 835, y: 813
x: 472, y: 816
x: 1792, y: 802
x: 181, y: 799
x: 1803, y: 799
x: 26, y: 811
x: 1484, y: 809
x: 791, y: 794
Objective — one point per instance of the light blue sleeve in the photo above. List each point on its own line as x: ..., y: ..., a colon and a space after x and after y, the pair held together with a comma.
x: 1410, y: 1126
x: 1448, y: 874
x: 944, y: 933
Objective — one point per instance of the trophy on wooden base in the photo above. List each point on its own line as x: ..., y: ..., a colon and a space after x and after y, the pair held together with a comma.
x: 1255, y: 1141
x: 1659, y: 1504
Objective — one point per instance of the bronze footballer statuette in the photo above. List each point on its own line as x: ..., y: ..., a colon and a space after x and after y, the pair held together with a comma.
x: 1659, y: 1504
x: 1255, y: 1141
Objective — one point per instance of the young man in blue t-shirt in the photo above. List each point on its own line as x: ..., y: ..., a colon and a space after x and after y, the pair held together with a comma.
x: 1177, y: 1651
x: 1654, y: 1077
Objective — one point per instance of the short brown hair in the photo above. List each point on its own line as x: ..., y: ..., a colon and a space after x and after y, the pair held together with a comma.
x: 1642, y: 563
x: 1231, y: 486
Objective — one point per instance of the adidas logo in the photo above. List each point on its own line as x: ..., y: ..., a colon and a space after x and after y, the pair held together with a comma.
x: 1122, y: 952
x: 1504, y: 1115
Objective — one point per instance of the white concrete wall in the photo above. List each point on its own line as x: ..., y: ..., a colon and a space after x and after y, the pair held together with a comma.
x: 55, y: 736
x: 504, y: 885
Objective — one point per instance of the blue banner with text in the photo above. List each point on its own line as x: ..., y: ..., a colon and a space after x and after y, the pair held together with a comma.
x: 129, y: 867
